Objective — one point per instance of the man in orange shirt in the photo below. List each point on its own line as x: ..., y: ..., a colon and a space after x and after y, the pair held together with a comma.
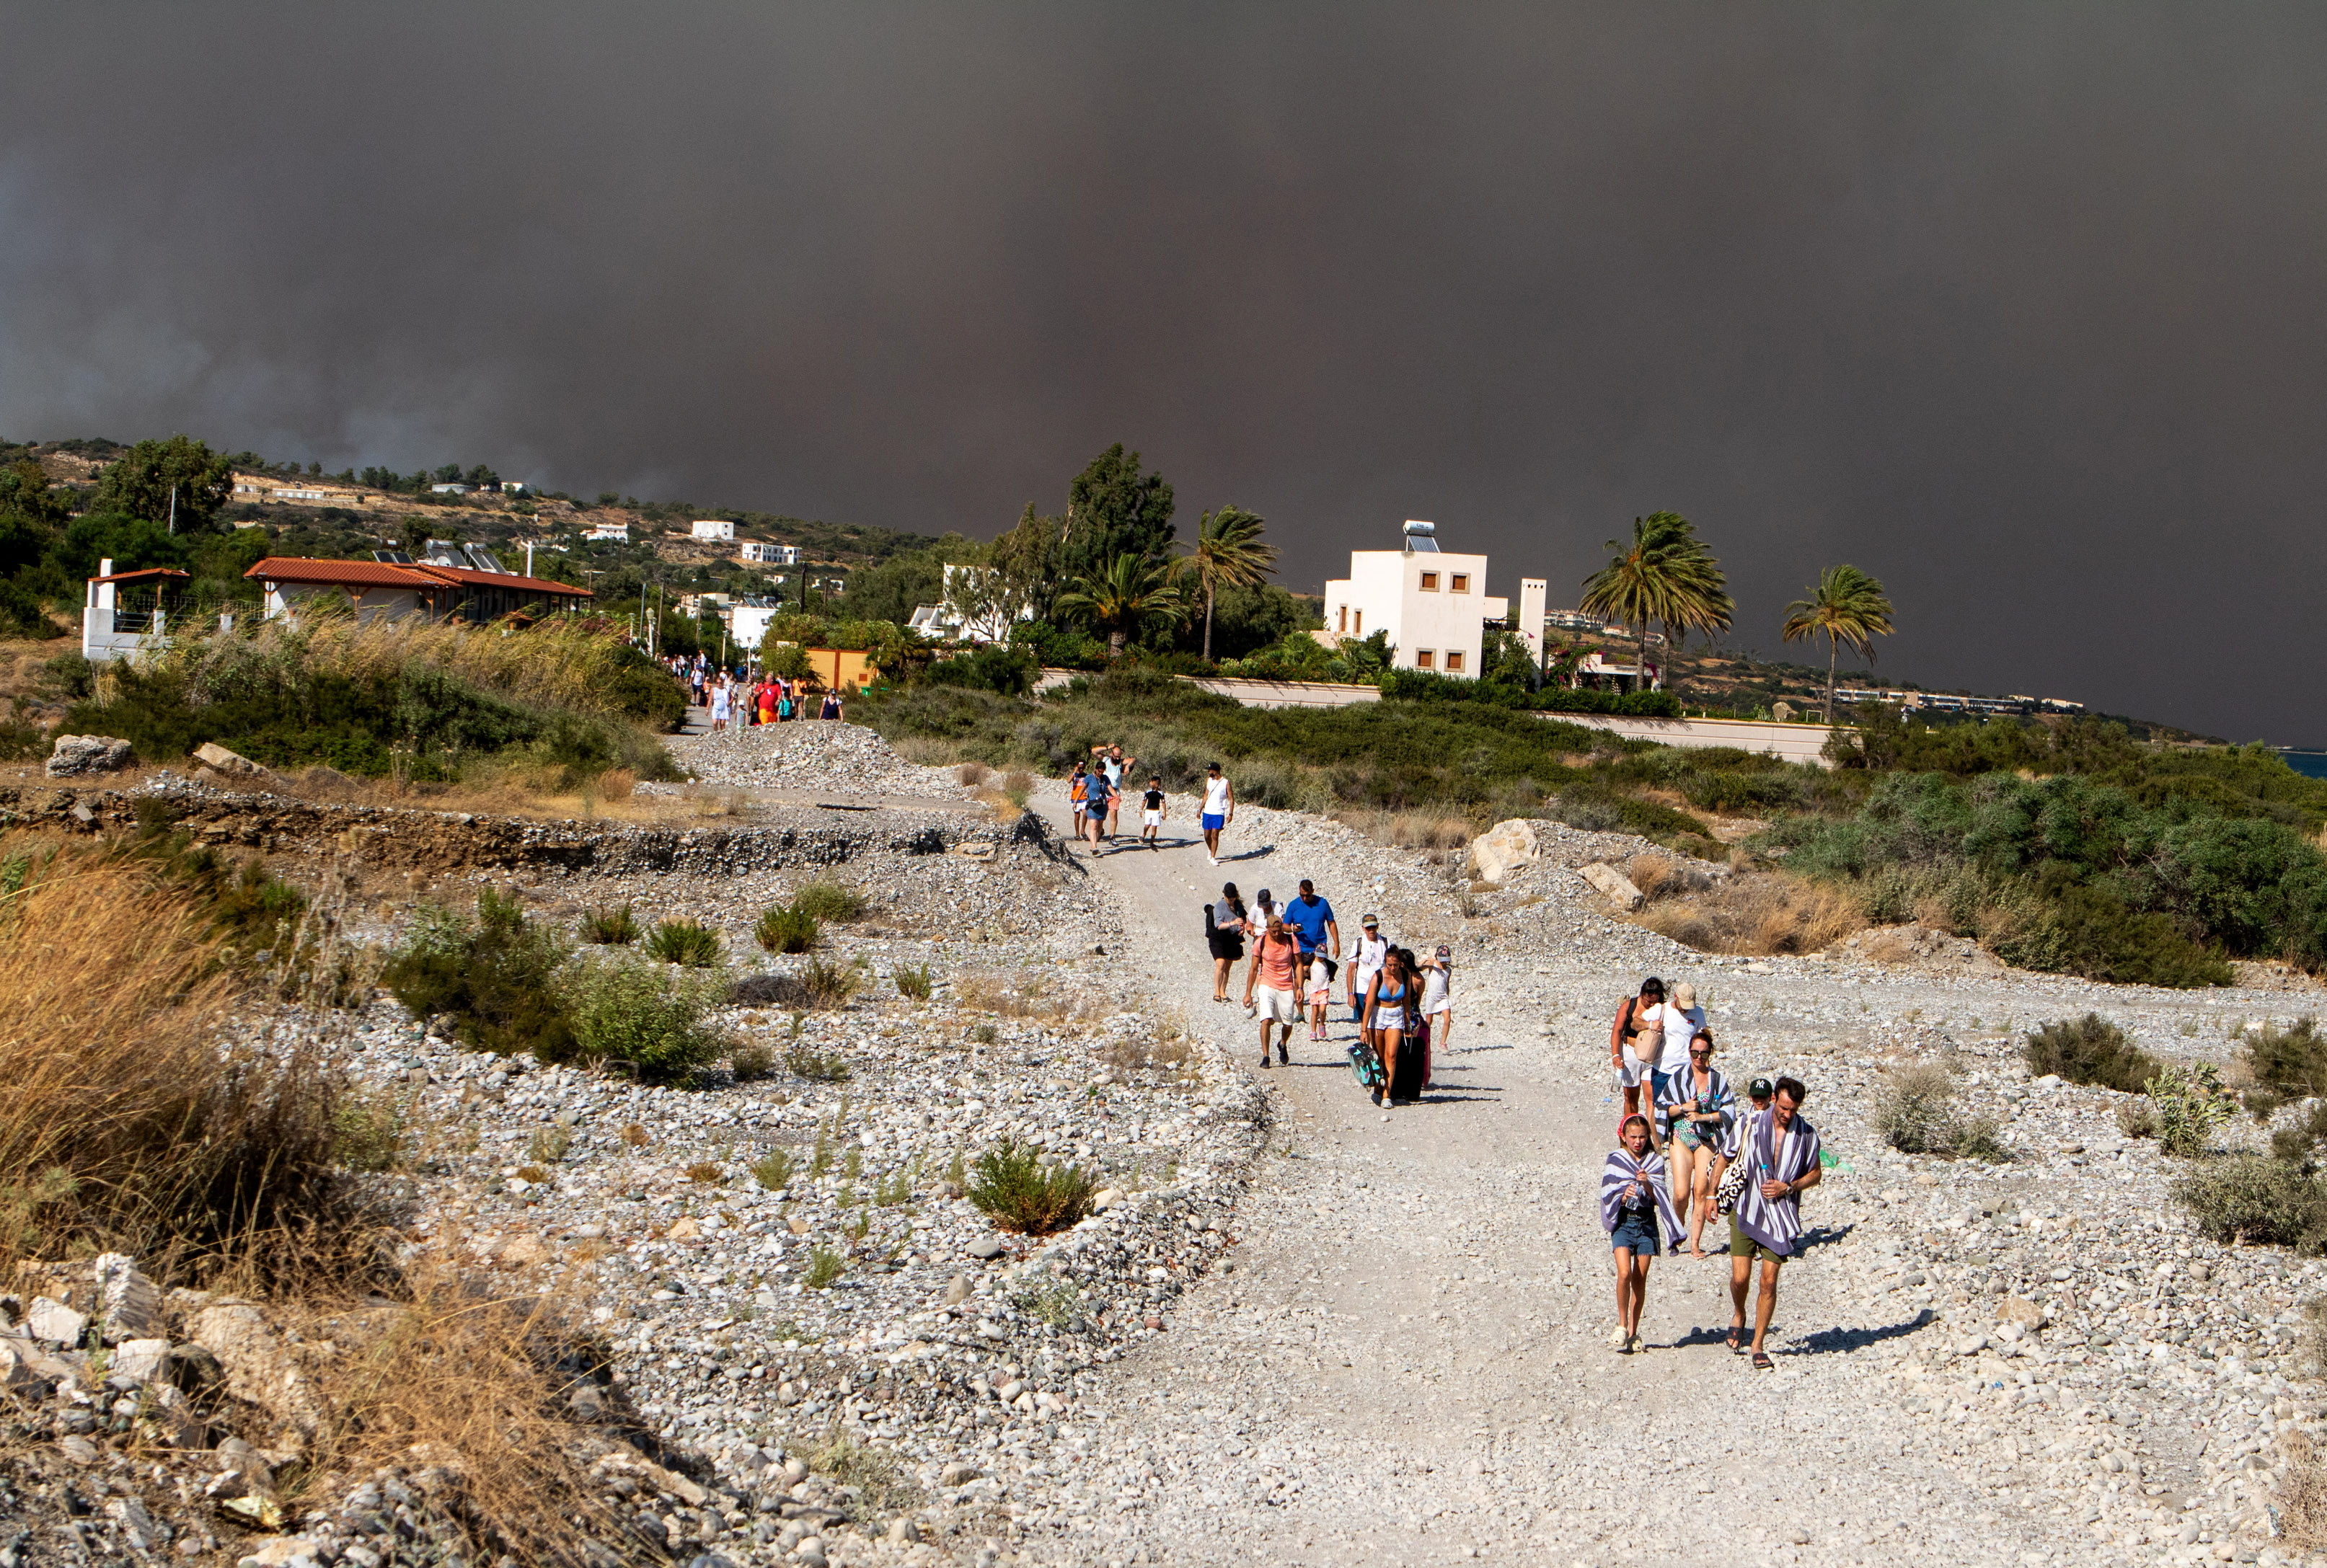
x: 1274, y: 976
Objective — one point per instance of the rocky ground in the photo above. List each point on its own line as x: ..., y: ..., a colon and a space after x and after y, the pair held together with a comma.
x: 1299, y: 1330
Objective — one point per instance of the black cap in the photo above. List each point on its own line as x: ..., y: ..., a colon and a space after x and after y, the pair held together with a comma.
x: 1759, y: 1089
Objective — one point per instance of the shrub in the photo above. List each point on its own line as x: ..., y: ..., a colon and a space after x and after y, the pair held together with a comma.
x: 2137, y: 1118
x: 818, y: 1067
x: 2192, y: 1103
x: 705, y: 1172
x: 610, y: 925
x: 828, y: 901
x: 626, y: 1011
x: 1916, y: 1113
x: 750, y: 1061
x: 1010, y: 1186
x: 914, y: 981
x: 773, y: 1170
x: 690, y: 943
x: 877, y: 1475
x: 774, y: 988
x: 548, y: 1145
x: 786, y: 930
x: 2248, y: 1197
x: 492, y: 974
x: 824, y: 1265
x: 829, y: 984
x: 2090, y: 1050
x: 634, y: 1135
x: 2287, y: 1064
x: 368, y: 1131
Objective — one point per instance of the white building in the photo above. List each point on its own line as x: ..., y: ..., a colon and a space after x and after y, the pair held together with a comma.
x: 608, y: 533
x: 772, y: 555
x: 1434, y: 605
x: 952, y: 620
x: 711, y: 528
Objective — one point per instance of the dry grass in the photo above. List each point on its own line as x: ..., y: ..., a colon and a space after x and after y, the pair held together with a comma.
x: 971, y: 775
x: 2302, y: 1495
x: 1755, y: 914
x: 471, y: 1384
x: 1020, y: 996
x: 1430, y: 830
x: 132, y: 1121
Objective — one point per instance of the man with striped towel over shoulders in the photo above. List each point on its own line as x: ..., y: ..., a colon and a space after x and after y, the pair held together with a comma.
x: 1781, y: 1149
x: 1634, y: 1198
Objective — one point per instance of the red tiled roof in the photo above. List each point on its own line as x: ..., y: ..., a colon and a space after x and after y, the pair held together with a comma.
x: 355, y: 573
x: 141, y: 574
x: 476, y: 579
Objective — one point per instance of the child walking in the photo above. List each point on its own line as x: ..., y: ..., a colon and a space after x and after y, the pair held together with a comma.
x: 1633, y: 1200
x: 1151, y: 811
x: 1321, y: 992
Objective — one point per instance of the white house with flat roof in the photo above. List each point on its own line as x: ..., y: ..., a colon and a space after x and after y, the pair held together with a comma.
x: 1433, y: 605
x: 711, y: 529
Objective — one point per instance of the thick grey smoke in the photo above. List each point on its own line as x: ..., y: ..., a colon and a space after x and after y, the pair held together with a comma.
x: 2016, y: 307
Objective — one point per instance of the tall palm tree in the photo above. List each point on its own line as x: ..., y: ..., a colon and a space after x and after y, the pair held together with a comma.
x: 1849, y: 606
x: 1699, y: 599
x: 1662, y: 572
x: 1228, y: 554
x: 1131, y: 594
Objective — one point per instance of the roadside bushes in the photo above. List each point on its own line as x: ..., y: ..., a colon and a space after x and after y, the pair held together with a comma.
x: 625, y: 1011
x: 2252, y: 1197
x: 1918, y: 1114
x: 1011, y: 1185
x: 2090, y: 1050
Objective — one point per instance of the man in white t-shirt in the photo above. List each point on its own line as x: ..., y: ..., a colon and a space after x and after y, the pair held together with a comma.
x: 1365, y: 962
x: 1219, y: 810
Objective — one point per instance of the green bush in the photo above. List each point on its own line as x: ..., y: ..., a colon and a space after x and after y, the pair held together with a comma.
x: 914, y: 981
x: 786, y: 930
x: 688, y: 942
x: 2287, y: 1064
x: 831, y: 985
x: 492, y: 972
x: 2191, y: 1106
x: 367, y: 1130
x: 610, y: 925
x: 1917, y: 1113
x: 2090, y: 1050
x: 1010, y: 1186
x: 2250, y: 1199
x: 626, y: 1011
x: 828, y: 901
x: 750, y: 1061
x: 773, y: 1170
x: 824, y: 1265
x: 818, y: 1067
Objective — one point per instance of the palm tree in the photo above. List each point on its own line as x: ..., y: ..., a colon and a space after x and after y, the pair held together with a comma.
x: 1699, y: 599
x: 1123, y: 600
x: 1228, y: 554
x: 1663, y: 572
x: 1849, y: 606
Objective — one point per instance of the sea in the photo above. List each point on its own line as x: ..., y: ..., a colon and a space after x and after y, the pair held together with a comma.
x: 2309, y: 764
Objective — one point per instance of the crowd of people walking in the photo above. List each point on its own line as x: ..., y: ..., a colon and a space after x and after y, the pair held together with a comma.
x: 738, y: 698
x: 1688, y: 1155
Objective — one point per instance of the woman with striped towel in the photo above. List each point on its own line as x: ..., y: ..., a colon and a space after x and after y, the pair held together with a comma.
x: 1633, y: 1200
x: 1697, y: 1104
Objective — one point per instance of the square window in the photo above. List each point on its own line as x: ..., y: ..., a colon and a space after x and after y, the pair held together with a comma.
x: 1461, y: 583
x: 1423, y: 658
x: 1454, y: 660
x: 1430, y: 582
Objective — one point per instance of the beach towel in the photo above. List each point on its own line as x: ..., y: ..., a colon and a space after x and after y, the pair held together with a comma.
x: 1776, y: 1224
x: 1617, y: 1175
x: 1680, y: 1092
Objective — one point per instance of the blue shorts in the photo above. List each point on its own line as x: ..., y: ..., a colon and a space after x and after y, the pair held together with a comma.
x: 1637, y: 1231
x: 1214, y: 822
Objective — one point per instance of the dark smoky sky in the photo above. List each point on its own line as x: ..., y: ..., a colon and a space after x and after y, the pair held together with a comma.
x: 2019, y: 308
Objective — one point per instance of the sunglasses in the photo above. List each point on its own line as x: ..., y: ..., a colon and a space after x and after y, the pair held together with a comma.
x: 1700, y: 1054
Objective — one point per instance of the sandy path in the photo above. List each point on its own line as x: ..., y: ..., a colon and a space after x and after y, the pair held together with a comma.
x: 1408, y: 1361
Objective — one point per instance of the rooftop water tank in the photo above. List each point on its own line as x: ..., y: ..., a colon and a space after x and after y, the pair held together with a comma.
x: 1421, y: 536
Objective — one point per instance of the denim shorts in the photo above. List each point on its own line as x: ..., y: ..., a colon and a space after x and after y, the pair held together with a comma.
x: 1637, y: 1231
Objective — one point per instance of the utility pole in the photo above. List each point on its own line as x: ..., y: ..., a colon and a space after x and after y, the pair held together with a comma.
x: 174, y: 509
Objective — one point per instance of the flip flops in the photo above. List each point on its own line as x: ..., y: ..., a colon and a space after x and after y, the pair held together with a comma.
x: 1734, y: 1340
x: 1761, y: 1363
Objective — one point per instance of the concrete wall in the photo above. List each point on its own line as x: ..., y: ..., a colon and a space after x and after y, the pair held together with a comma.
x: 1794, y: 742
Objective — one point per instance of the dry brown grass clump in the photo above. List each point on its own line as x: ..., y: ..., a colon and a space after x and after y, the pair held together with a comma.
x: 2302, y: 1495
x: 474, y: 1385
x: 1019, y: 996
x: 131, y: 1120
x: 1431, y: 830
x: 1755, y: 914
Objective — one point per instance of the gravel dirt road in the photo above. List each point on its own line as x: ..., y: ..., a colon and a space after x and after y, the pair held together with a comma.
x: 1408, y: 1361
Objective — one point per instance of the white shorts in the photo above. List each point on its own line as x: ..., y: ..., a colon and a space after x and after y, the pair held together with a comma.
x: 1634, y: 1073
x: 1150, y: 819
x: 1441, y: 1011
x: 1276, y: 1006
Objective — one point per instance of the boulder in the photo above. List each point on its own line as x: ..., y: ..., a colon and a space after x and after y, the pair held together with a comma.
x: 53, y: 1323
x: 233, y: 765
x: 77, y: 755
x: 1502, y: 849
x: 26, y: 1367
x: 1613, y: 885
x: 2020, y: 1309
x: 128, y: 1304
x: 137, y: 1361
x: 257, y: 1366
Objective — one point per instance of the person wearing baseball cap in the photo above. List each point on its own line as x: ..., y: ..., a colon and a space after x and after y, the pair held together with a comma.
x: 1365, y: 962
